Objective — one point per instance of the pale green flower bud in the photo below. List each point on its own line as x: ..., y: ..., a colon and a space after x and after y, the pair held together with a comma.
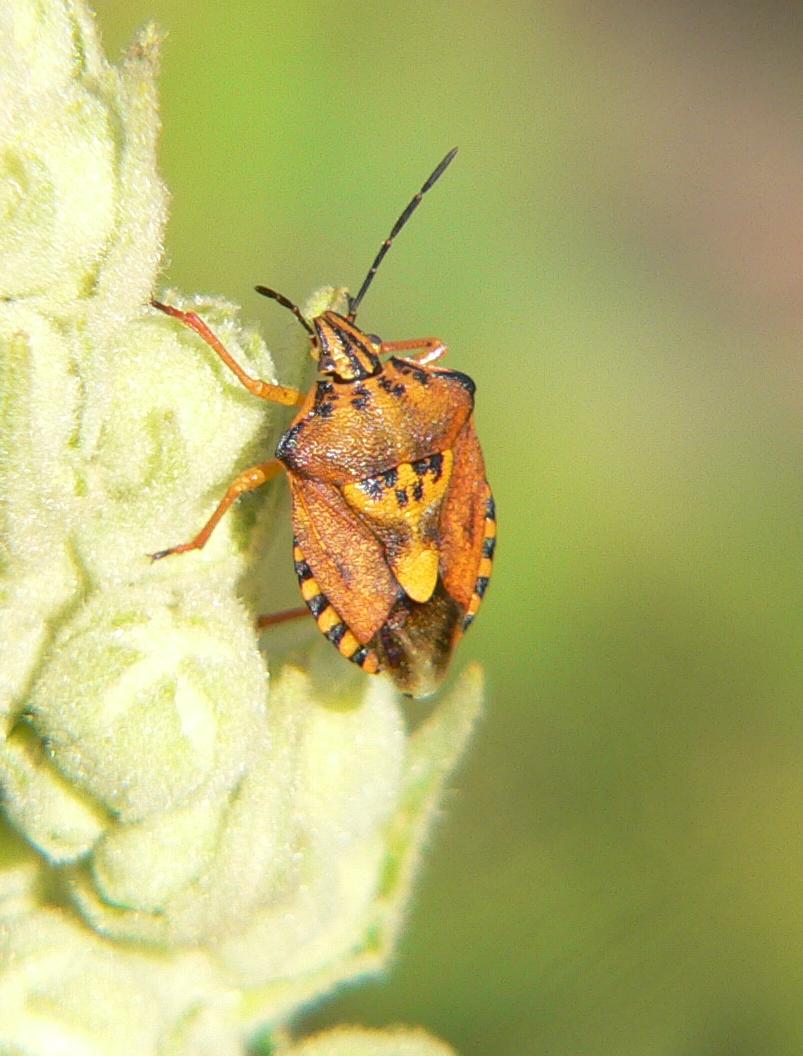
x: 188, y: 853
x: 357, y: 1041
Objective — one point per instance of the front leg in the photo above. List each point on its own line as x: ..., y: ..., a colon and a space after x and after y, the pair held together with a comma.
x: 263, y: 389
x: 433, y: 348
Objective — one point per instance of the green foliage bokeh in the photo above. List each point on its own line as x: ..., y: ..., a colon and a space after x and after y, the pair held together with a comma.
x: 612, y: 258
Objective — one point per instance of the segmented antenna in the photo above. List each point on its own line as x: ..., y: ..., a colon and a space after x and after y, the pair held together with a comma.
x: 354, y: 302
x: 285, y: 303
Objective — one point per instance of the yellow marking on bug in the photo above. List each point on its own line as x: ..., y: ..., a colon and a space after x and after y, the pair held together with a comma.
x: 490, y: 529
x: 327, y: 620
x: 416, y: 569
x: 486, y: 567
x: 309, y: 589
x: 297, y: 554
x: 474, y: 604
x: 348, y: 644
x: 371, y: 663
x: 391, y: 500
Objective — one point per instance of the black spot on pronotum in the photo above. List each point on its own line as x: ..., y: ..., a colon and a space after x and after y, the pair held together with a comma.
x: 324, y: 389
x: 288, y: 443
x: 464, y: 380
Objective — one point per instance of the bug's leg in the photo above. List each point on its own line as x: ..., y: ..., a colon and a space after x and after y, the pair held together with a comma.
x: 280, y: 617
x: 248, y: 480
x: 263, y: 389
x: 433, y: 348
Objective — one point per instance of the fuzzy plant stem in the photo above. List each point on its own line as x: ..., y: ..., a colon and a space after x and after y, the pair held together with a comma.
x: 193, y: 845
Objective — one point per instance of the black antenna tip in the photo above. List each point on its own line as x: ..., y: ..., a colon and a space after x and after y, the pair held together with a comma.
x: 439, y: 171
x: 412, y: 205
x: 285, y: 302
x: 447, y: 161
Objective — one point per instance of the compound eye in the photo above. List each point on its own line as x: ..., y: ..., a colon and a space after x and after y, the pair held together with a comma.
x: 375, y: 340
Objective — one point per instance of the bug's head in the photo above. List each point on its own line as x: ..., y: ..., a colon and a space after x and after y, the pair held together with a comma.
x: 343, y: 350
x: 338, y: 346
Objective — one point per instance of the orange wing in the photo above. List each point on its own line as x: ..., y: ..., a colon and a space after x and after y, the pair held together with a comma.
x: 415, y: 644
x: 467, y: 527
x: 346, y: 566
x: 345, y: 558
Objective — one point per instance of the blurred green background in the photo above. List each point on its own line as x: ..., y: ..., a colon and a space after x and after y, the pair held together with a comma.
x: 615, y: 258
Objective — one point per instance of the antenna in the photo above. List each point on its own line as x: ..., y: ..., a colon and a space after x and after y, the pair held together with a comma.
x: 285, y: 303
x: 354, y: 302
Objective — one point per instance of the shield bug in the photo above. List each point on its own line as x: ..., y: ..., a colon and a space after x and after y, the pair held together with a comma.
x: 393, y: 520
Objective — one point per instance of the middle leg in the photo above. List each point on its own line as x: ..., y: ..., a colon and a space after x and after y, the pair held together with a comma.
x: 248, y: 480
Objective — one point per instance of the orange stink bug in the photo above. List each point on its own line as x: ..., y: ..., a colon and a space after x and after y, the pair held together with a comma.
x: 393, y: 520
